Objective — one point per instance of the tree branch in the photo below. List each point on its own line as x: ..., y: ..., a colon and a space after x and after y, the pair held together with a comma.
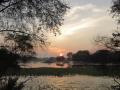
x: 9, y: 5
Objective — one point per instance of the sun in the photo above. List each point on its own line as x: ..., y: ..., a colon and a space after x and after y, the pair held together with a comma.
x: 61, y: 54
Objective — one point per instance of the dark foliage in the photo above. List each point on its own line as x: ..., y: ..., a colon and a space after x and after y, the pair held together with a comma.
x: 115, y: 10
x: 100, y: 57
x: 24, y: 24
x: 103, y: 57
x: 112, y: 43
x: 81, y: 55
x: 31, y: 19
x: 10, y: 83
x: 8, y: 60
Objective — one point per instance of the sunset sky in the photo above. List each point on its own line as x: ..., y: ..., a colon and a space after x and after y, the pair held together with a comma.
x: 83, y: 22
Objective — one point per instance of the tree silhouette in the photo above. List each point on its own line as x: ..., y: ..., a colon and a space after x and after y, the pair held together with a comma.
x: 102, y: 57
x: 31, y: 19
x: 25, y: 24
x: 69, y: 55
x: 81, y: 56
x: 115, y: 10
x: 113, y: 42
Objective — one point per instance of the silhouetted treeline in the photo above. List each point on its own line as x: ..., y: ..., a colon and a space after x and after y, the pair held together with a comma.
x: 100, y: 56
x: 8, y: 60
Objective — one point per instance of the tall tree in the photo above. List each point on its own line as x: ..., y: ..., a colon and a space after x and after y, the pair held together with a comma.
x: 25, y: 23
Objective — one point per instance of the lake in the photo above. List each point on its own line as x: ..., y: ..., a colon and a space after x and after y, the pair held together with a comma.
x: 76, y: 82
x: 52, y: 77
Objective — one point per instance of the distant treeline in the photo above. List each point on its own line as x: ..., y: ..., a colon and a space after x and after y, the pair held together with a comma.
x: 100, y: 56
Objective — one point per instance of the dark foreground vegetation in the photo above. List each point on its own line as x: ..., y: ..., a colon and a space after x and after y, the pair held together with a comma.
x: 83, y: 70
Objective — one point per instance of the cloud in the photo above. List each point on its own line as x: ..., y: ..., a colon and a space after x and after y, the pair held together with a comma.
x: 82, y: 17
x: 77, y: 10
x: 87, y: 23
x: 82, y: 23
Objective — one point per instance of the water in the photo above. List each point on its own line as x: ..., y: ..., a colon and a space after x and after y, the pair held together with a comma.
x: 40, y: 64
x: 77, y: 82
x: 73, y: 82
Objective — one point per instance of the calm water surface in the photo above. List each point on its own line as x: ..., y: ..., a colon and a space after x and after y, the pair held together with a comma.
x: 40, y: 64
x: 77, y: 82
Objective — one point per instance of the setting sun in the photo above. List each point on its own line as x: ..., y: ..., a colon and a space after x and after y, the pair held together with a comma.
x: 61, y: 54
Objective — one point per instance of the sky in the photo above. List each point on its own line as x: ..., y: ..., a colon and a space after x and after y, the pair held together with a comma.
x: 84, y: 21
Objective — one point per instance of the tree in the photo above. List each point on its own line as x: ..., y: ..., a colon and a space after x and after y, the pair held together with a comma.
x: 113, y: 42
x: 115, y: 10
x: 29, y: 20
x: 24, y: 24
x: 69, y: 55
x: 81, y: 56
x: 102, y: 56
